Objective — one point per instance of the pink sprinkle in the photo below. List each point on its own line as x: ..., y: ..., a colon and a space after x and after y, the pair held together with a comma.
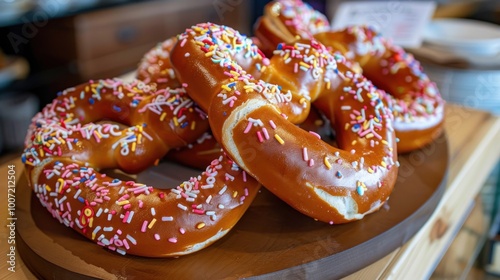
x: 198, y: 211
x: 124, y: 197
x: 247, y: 129
x: 184, y: 85
x: 97, y: 139
x: 266, y: 134
x: 305, y: 156
x: 127, y: 206
x: 259, y: 136
x: 244, y: 176
x: 246, y: 191
x: 272, y: 124
x: 157, y: 236
x: 125, y: 243
x: 315, y: 134
x: 172, y: 240
x: 311, y: 162
x: 144, y: 225
x: 141, y: 203
x: 182, y: 230
x: 118, y: 242
x: 65, y: 173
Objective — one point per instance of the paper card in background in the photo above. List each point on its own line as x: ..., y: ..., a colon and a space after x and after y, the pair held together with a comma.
x: 402, y: 21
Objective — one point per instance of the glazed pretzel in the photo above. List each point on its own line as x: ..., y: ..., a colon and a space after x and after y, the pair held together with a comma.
x: 155, y: 67
x: 334, y: 185
x: 67, y: 149
x: 201, y: 152
x: 415, y: 101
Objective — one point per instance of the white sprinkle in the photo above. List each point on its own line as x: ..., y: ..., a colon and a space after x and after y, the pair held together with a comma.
x: 131, y: 239
x: 223, y: 190
x: 130, y: 217
x: 99, y: 212
x: 77, y: 193
x: 96, y: 230
x: 121, y: 252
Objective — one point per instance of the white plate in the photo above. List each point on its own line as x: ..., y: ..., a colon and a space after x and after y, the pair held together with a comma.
x: 464, y: 37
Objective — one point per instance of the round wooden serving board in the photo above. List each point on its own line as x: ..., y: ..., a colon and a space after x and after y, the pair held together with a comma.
x: 271, y: 241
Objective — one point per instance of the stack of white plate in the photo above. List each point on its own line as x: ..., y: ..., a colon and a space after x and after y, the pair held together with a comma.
x: 464, y: 61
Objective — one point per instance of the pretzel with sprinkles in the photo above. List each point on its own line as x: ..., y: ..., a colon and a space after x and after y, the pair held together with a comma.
x: 201, y: 152
x: 108, y: 124
x: 155, y: 67
x: 333, y: 185
x: 415, y: 100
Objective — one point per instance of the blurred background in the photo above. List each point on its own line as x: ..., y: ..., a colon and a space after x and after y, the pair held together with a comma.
x: 49, y: 45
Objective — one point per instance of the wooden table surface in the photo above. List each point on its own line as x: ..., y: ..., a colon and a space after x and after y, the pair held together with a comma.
x: 474, y: 148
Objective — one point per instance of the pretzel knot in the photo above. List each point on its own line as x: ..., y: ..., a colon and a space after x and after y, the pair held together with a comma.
x: 330, y: 184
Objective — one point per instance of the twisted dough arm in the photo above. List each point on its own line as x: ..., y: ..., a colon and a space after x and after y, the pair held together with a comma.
x: 415, y: 100
x: 334, y: 185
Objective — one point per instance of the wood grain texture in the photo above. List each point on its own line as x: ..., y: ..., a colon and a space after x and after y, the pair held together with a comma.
x: 473, y: 135
x: 474, y: 138
x: 271, y: 241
